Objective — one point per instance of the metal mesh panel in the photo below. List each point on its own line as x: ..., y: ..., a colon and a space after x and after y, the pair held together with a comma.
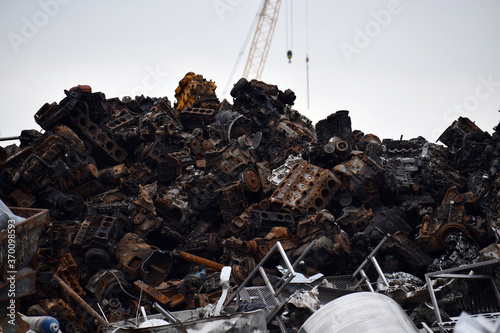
x: 342, y: 284
x: 262, y: 294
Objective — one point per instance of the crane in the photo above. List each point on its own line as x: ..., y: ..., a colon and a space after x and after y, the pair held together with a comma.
x: 262, y: 39
x: 264, y: 25
x: 263, y: 29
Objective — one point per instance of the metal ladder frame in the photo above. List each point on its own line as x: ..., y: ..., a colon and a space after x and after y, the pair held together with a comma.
x: 242, y: 294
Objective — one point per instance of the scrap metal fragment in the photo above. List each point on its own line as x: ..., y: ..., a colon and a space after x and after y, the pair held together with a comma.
x: 232, y: 201
x: 449, y: 218
x: 141, y: 260
x: 69, y: 272
x: 195, y: 91
x: 108, y: 286
x: 361, y: 176
x: 306, y: 188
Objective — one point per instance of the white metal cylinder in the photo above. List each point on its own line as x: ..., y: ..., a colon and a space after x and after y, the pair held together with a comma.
x: 365, y: 312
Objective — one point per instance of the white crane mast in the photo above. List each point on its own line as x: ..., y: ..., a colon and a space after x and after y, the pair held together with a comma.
x: 262, y: 39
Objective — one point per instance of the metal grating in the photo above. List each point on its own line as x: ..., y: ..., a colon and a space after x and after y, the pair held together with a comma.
x: 262, y: 294
x: 343, y: 284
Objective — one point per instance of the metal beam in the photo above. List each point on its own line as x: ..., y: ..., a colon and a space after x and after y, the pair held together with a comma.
x: 262, y: 39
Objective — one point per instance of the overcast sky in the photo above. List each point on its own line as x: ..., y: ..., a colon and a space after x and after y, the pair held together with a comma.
x: 401, y: 67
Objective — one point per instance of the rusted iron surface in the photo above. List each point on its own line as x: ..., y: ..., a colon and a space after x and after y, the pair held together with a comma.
x: 139, y: 259
x: 306, y: 188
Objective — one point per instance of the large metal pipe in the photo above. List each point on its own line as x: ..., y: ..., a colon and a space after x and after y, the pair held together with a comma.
x: 168, y: 316
x: 199, y: 260
x: 80, y: 301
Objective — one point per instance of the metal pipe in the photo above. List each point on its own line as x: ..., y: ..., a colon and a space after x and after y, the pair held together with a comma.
x: 80, y: 301
x: 285, y: 259
x: 168, y: 316
x: 266, y: 280
x: 433, y: 299
x: 7, y: 138
x: 379, y: 270
x: 199, y: 260
x: 103, y: 315
x: 372, y: 254
x: 368, y: 282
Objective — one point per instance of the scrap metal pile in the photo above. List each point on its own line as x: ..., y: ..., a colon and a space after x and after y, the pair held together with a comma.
x: 149, y: 201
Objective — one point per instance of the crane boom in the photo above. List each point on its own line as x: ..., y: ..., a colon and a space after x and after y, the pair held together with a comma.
x: 262, y: 39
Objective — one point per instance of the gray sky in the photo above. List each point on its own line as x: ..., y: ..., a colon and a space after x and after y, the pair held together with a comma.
x: 400, y: 67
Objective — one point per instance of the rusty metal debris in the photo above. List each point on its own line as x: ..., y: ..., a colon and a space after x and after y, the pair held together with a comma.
x: 134, y: 206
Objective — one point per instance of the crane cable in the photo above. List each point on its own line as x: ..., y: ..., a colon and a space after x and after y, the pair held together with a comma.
x: 307, y: 50
x: 289, y: 37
